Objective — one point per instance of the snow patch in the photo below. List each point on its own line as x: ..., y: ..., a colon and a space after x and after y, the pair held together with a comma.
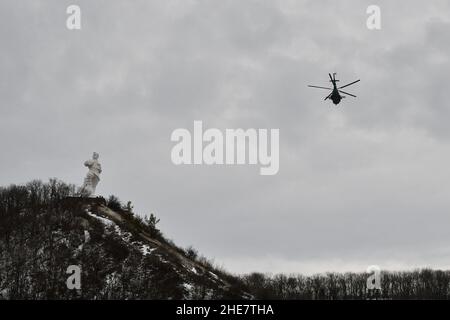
x: 105, y: 221
x: 147, y: 250
x: 188, y: 286
x: 87, y: 236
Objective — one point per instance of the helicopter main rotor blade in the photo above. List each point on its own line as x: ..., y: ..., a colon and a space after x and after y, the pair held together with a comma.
x: 349, y: 94
x: 350, y: 84
x: 320, y: 87
x: 328, y: 96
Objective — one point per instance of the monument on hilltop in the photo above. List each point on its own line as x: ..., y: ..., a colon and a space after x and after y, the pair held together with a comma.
x: 92, y: 177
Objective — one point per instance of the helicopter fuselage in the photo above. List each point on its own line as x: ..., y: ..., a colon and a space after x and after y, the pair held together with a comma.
x: 335, y: 96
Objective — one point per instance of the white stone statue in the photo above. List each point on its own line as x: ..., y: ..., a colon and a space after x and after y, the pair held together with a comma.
x: 92, y: 177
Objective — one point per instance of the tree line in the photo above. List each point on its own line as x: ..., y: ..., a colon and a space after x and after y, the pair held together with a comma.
x: 416, y: 284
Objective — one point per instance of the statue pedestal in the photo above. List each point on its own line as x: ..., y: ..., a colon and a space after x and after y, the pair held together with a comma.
x: 79, y: 201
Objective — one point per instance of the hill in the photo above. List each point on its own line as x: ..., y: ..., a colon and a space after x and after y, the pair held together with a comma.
x: 46, y: 227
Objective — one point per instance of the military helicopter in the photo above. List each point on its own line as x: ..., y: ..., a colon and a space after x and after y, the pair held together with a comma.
x: 335, y: 94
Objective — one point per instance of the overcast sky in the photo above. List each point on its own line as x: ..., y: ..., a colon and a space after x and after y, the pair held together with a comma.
x: 367, y: 182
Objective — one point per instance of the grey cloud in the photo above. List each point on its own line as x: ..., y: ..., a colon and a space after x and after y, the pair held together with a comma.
x: 362, y: 182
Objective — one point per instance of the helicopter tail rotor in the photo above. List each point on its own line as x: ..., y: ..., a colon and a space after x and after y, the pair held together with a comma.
x: 334, y: 77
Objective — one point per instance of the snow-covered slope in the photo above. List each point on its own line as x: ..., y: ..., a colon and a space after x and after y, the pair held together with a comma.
x: 192, y: 272
x: 119, y: 255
